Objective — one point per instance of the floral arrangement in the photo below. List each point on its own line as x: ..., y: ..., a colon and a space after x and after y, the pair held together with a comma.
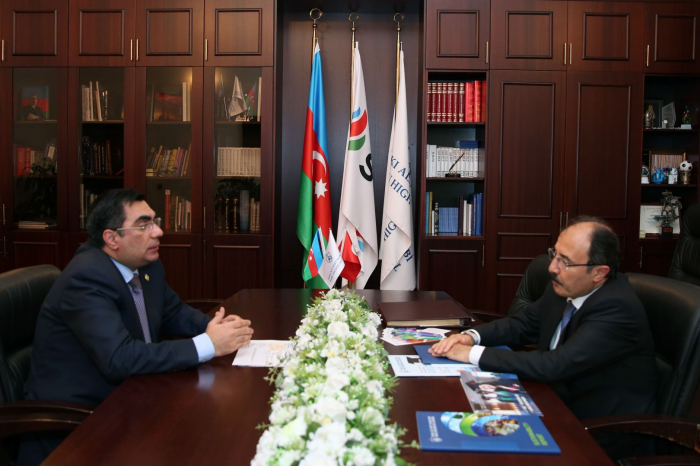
x: 330, y: 406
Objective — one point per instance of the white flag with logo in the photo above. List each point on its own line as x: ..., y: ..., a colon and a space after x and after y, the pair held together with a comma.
x: 398, y: 260
x: 237, y: 105
x: 357, y: 225
x: 332, y: 263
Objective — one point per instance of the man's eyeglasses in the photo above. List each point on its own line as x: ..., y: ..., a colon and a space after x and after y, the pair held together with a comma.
x: 563, y: 263
x: 147, y: 225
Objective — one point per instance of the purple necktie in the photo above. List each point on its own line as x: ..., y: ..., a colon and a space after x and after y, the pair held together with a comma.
x: 137, y: 293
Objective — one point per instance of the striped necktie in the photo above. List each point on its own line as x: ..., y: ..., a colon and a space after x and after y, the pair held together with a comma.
x: 137, y: 293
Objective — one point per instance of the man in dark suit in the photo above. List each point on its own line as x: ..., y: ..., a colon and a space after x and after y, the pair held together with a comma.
x: 32, y: 111
x: 103, y: 319
x: 595, y: 346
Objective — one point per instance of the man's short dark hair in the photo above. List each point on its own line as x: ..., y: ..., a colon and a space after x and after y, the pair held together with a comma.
x: 108, y: 213
x: 605, y: 246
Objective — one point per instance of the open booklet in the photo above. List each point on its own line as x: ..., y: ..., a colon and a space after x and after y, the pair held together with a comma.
x: 497, y: 393
x: 262, y: 353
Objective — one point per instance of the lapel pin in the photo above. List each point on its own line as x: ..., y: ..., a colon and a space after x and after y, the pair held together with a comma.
x: 146, y: 277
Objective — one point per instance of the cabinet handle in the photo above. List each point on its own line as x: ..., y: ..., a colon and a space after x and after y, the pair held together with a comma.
x: 571, y: 53
x: 647, y: 60
x: 483, y: 254
x: 565, y: 53
x: 205, y: 218
x: 3, y: 50
x: 206, y: 49
x: 205, y: 250
x: 131, y: 48
x: 137, y: 50
x: 487, y: 52
x: 3, y: 214
x: 641, y: 256
x: 561, y: 214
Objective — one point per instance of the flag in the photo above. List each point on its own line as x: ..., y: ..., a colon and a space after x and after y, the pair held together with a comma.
x: 221, y: 99
x: 314, y: 210
x: 332, y: 263
x: 250, y: 99
x: 315, y: 258
x: 357, y: 225
x: 398, y: 260
x: 237, y: 105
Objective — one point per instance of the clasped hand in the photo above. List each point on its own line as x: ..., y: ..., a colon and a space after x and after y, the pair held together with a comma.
x: 456, y: 347
x: 228, y: 333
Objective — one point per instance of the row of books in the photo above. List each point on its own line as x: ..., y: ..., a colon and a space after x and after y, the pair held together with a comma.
x: 665, y: 160
x: 179, y: 213
x: 463, y: 159
x: 238, y: 161
x: 95, y: 103
x: 168, y: 162
x: 464, y: 220
x: 100, y: 158
x: 26, y: 156
x: 35, y: 225
x: 171, y: 103
x: 87, y: 198
x: 237, y: 215
x: 457, y: 102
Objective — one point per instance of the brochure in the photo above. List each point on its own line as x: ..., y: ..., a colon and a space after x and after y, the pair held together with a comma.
x: 497, y: 393
x: 411, y: 366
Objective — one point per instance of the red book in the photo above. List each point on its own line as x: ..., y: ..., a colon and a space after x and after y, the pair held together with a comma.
x: 433, y: 102
x: 448, y: 102
x: 484, y: 103
x: 477, y: 100
x: 455, y: 101
x: 469, y: 105
x: 460, y: 99
x: 429, y: 107
x: 19, y: 161
x: 167, y: 209
x: 440, y: 103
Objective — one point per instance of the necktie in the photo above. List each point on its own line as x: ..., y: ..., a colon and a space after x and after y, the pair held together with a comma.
x: 565, y: 319
x: 137, y: 293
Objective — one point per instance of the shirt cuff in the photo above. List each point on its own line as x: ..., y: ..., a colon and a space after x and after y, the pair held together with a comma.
x: 475, y: 354
x: 474, y: 334
x: 205, y: 347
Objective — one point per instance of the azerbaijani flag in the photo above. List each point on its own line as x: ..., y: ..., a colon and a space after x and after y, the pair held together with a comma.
x: 315, y: 259
x: 314, y: 209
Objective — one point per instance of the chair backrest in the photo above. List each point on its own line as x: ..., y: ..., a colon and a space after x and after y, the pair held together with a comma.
x: 673, y: 310
x: 685, y: 265
x: 22, y: 291
x: 533, y: 284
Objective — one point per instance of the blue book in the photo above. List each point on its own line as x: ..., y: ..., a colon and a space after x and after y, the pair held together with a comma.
x: 478, y: 209
x: 427, y: 358
x: 457, y: 431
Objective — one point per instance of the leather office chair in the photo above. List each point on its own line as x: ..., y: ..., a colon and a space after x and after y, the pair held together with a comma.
x: 673, y: 310
x: 22, y: 292
x: 685, y: 265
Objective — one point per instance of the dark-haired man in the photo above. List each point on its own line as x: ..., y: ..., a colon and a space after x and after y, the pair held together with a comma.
x: 595, y: 345
x: 103, y: 319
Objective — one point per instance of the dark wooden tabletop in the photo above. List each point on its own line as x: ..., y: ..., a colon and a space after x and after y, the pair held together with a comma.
x: 208, y: 415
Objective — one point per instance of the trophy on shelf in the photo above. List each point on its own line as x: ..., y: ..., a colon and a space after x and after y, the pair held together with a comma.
x: 684, y: 170
x: 685, y: 121
x: 669, y: 213
x: 649, y: 117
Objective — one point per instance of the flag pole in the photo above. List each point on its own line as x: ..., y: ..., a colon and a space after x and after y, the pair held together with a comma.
x: 352, y: 59
x: 398, y: 52
x: 314, y: 40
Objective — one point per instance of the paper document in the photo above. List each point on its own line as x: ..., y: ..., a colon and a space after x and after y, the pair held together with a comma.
x: 411, y: 366
x: 262, y: 353
x: 409, y: 336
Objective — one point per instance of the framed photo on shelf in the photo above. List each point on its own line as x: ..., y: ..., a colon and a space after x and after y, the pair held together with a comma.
x: 657, y: 105
x: 35, y: 103
x: 648, y: 224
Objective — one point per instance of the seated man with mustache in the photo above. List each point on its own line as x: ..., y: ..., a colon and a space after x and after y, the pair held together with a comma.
x: 103, y: 319
x: 595, y: 346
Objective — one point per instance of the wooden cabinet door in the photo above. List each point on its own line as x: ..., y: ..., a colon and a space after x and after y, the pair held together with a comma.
x: 655, y: 256
x: 671, y: 38
x: 239, y: 32
x: 604, y: 151
x: 181, y: 255
x: 526, y: 163
x: 455, y: 267
x: 102, y: 33
x: 606, y: 36
x: 457, y: 34
x: 35, y: 33
x: 28, y: 248
x: 528, y: 35
x: 169, y: 33
x: 236, y: 262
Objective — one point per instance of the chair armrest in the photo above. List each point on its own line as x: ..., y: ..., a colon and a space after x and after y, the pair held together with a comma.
x: 41, y: 416
x: 678, y: 430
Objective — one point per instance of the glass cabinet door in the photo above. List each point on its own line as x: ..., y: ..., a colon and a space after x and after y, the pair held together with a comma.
x: 35, y: 100
x: 237, y: 150
x: 169, y: 162
x: 101, y: 134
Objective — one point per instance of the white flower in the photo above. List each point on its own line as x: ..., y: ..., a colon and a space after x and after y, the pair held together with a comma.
x: 362, y: 456
x: 329, y: 408
x: 375, y: 388
x: 371, y: 419
x: 289, y: 457
x: 330, y: 438
x: 370, y: 331
x: 292, y: 431
x: 337, y: 381
x: 375, y: 319
x: 338, y: 330
x: 317, y: 458
x: 336, y: 365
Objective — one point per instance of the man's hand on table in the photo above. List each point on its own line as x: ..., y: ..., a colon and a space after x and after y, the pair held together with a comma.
x: 456, y: 347
x: 228, y: 333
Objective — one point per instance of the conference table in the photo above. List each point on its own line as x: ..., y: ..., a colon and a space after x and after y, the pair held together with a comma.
x: 208, y: 415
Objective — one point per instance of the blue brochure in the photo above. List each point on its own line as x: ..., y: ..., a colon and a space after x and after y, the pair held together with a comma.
x: 422, y: 351
x: 456, y: 431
